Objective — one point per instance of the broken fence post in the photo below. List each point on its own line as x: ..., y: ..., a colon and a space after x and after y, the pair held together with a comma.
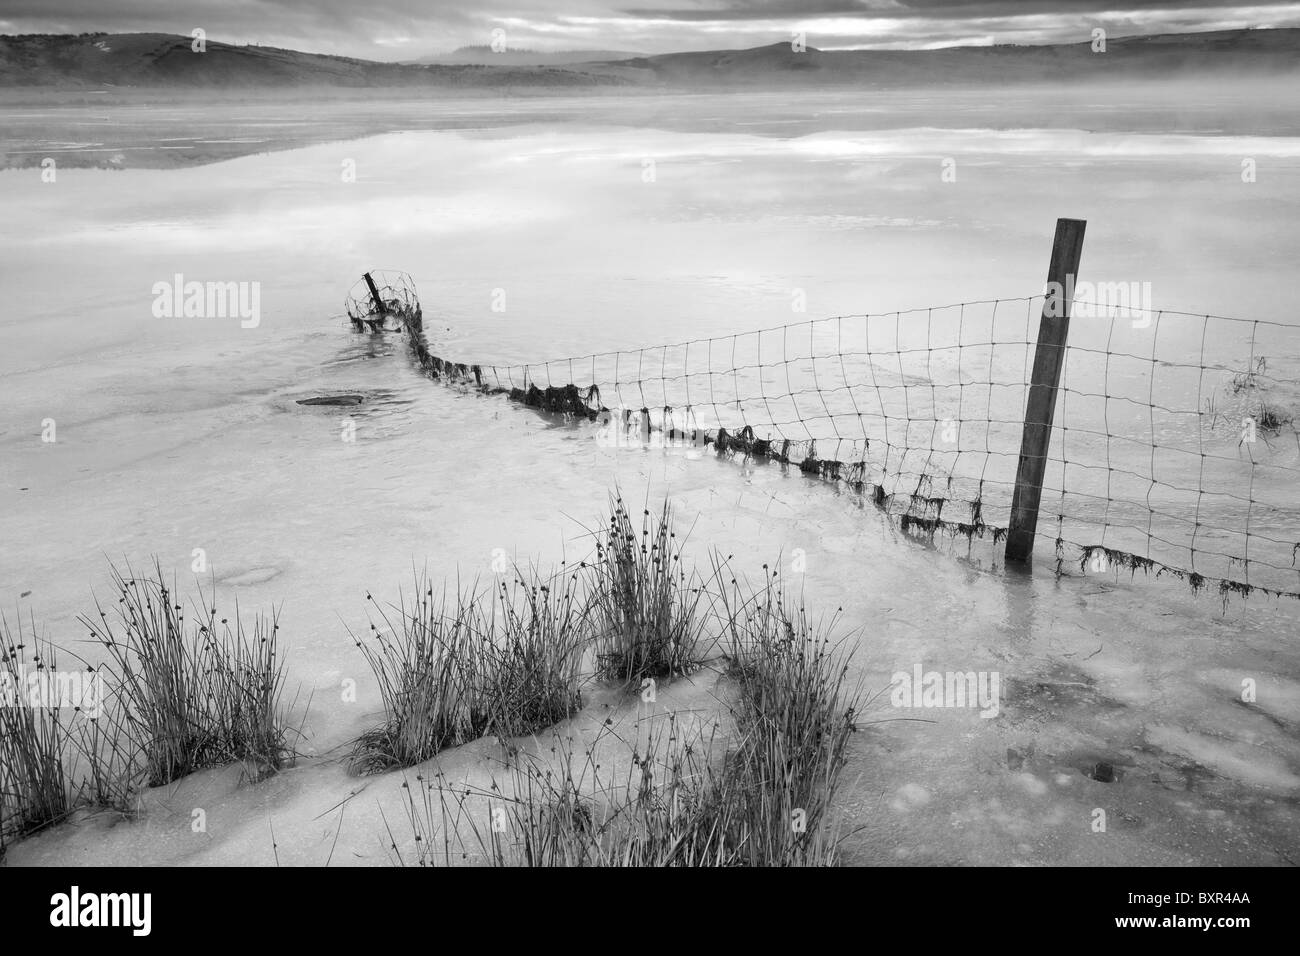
x: 374, y: 294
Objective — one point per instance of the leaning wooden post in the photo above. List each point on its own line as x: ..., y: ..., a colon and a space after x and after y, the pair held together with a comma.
x: 374, y: 294
x: 1049, y: 359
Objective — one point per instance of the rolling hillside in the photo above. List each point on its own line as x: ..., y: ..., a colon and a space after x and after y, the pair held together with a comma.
x: 1170, y: 55
x: 161, y: 60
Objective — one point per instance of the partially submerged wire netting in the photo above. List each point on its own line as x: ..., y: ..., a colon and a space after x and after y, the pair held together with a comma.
x: 1174, y: 448
x: 385, y: 305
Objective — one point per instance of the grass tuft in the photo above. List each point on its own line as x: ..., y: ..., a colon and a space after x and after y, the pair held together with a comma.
x: 794, y: 720
x: 762, y: 797
x: 194, y: 694
x: 429, y: 680
x: 506, y: 662
x: 558, y: 808
x: 37, y: 748
x: 645, y: 602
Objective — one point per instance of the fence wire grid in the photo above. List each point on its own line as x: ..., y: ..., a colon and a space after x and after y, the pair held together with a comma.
x: 1174, y: 447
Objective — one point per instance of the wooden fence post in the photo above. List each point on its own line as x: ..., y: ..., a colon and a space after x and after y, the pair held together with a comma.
x: 374, y: 294
x: 1049, y: 359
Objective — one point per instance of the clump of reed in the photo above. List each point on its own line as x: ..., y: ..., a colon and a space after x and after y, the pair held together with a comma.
x: 550, y: 822
x: 760, y: 797
x: 37, y: 746
x: 507, y: 661
x: 682, y: 811
x: 539, y: 630
x: 194, y: 694
x: 557, y: 808
x: 795, y: 714
x: 62, y: 741
x: 429, y: 680
x: 646, y: 604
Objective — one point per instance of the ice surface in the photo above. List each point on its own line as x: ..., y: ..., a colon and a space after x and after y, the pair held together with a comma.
x: 182, y: 434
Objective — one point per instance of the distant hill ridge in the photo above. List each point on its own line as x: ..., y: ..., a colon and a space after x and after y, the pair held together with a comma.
x: 1180, y: 54
x: 164, y: 60
x: 485, y: 55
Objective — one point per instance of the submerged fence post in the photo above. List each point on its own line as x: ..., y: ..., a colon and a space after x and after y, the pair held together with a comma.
x: 1049, y: 359
x: 374, y: 294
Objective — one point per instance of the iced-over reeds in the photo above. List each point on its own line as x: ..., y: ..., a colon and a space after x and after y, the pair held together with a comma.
x: 62, y: 740
x: 37, y: 745
x: 758, y: 795
x: 795, y: 713
x: 570, y: 804
x: 507, y: 660
x: 645, y: 600
x: 195, y: 692
x: 504, y: 660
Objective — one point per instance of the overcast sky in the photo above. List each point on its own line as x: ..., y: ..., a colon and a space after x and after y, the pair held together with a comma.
x: 401, y: 29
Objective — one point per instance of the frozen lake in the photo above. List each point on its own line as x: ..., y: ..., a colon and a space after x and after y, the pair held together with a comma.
x: 568, y: 229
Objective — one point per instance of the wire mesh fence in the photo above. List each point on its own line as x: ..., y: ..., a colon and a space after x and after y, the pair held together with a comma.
x: 1176, y: 446
x: 1174, y: 449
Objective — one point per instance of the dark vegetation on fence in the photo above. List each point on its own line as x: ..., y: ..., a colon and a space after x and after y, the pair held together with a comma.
x: 923, y: 512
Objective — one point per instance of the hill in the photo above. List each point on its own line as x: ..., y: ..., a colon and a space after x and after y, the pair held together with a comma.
x: 162, y: 60
x: 1146, y: 57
